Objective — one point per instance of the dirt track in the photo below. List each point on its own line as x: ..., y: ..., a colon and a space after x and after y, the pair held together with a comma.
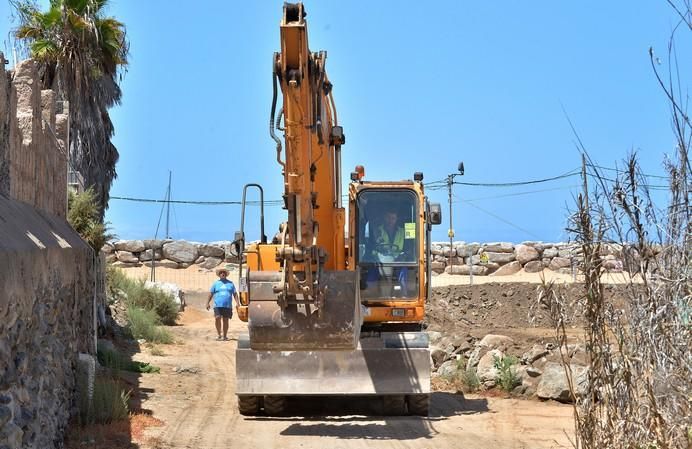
x: 198, y: 407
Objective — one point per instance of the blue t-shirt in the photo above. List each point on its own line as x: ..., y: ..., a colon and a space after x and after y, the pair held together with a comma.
x: 222, y: 290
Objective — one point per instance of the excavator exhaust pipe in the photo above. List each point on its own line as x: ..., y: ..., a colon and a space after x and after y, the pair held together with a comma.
x: 300, y: 327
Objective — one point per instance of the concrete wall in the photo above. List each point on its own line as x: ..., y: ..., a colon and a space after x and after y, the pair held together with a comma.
x: 46, y: 272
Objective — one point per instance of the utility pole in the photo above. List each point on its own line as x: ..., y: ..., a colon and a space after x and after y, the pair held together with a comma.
x: 450, y: 233
x: 168, y: 204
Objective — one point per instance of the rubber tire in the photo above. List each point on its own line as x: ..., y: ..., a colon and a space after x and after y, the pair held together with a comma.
x: 393, y: 405
x: 418, y: 404
x: 274, y: 405
x: 248, y: 405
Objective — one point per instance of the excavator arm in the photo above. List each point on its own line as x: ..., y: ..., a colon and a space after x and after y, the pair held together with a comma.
x: 316, y: 302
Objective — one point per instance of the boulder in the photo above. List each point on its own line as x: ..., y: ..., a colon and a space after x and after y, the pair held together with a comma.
x: 525, y: 253
x: 180, y: 251
x: 534, y: 266
x: 549, y: 253
x: 500, y: 258
x: 506, y: 270
x: 486, y: 366
x: 107, y: 248
x: 437, y: 266
x: 612, y: 264
x: 559, y: 262
x: 111, y: 258
x: 439, y: 356
x: 468, y: 249
x: 207, y: 250
x: 499, y: 247
x: 149, y: 254
x: 448, y: 369
x: 554, y: 385
x: 133, y: 246
x: 478, y: 270
x: 434, y: 336
x: 154, y: 244
x: 533, y: 354
x: 493, y: 341
x: 126, y: 257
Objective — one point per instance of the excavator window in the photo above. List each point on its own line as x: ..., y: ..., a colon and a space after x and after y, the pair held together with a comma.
x: 387, y: 242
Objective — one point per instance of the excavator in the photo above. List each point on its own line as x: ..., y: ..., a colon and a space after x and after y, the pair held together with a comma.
x: 335, y: 302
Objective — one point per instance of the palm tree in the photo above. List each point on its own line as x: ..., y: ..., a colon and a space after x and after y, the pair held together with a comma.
x: 81, y: 55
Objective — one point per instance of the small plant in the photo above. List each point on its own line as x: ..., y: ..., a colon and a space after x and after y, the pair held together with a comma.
x: 469, y: 380
x: 144, y: 324
x: 109, y: 401
x: 507, y: 377
x: 117, y: 361
x: 155, y: 350
x: 117, y: 282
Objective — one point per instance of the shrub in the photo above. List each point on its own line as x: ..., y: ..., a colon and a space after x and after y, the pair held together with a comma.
x: 156, y: 300
x: 84, y: 217
x: 148, y: 298
x: 109, y: 401
x: 117, y: 282
x: 145, y: 324
x: 507, y: 377
x: 469, y: 380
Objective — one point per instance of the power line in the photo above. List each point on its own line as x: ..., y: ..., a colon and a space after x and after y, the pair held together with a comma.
x: 205, y: 203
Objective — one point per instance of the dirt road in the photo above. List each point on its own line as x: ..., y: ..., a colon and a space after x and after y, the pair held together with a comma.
x: 194, y: 397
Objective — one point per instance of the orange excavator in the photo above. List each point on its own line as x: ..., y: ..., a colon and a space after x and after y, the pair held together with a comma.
x: 335, y: 302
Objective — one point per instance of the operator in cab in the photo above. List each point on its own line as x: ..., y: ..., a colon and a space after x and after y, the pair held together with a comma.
x: 389, y: 236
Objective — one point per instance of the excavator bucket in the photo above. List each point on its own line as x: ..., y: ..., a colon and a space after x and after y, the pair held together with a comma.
x: 298, y: 327
x: 382, y: 365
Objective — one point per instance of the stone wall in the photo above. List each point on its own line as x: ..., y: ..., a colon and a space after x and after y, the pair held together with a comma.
x: 505, y: 258
x: 46, y: 272
x: 483, y: 259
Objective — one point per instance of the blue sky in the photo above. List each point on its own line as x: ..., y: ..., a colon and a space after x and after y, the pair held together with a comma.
x: 417, y: 87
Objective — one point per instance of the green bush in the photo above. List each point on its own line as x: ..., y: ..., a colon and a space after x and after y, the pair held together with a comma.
x: 137, y: 295
x: 145, y: 324
x: 507, y: 377
x: 156, y: 300
x: 84, y: 217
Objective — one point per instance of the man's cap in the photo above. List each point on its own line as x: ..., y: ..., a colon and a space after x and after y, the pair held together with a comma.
x: 221, y: 269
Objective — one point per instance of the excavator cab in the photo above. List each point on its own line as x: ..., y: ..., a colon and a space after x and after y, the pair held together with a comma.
x: 387, y: 242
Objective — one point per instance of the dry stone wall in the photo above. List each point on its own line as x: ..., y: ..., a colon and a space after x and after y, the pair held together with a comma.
x: 46, y: 270
x: 483, y: 259
x: 504, y: 258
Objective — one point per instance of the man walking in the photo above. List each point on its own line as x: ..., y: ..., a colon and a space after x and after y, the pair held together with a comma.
x: 221, y: 292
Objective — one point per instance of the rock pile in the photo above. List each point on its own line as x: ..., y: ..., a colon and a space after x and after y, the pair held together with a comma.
x: 536, y: 372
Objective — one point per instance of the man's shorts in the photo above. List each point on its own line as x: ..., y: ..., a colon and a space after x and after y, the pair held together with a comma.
x: 225, y: 312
